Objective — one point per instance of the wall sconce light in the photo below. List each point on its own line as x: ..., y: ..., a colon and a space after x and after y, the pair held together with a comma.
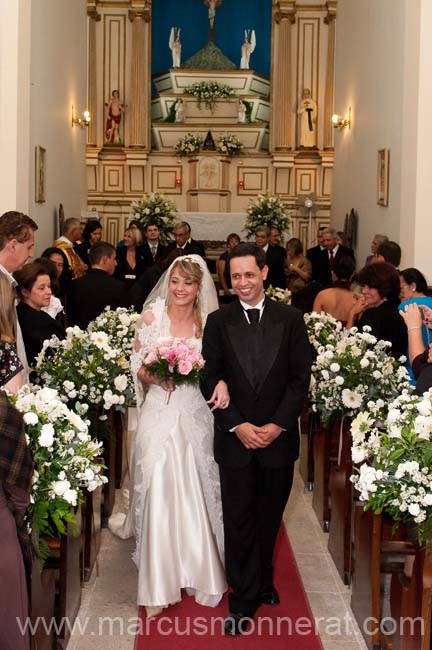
x: 342, y: 122
x: 178, y: 180
x: 80, y: 121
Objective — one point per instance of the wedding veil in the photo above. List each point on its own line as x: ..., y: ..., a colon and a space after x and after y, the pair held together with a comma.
x: 207, y: 295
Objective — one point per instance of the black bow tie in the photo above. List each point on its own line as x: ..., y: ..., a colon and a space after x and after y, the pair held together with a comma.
x: 254, y: 316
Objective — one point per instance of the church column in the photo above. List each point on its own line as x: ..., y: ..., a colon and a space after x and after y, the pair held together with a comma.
x: 284, y: 17
x: 140, y: 88
x: 94, y: 17
x: 330, y: 20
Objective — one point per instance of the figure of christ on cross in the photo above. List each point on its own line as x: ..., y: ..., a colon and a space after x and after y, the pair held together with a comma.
x: 212, y: 5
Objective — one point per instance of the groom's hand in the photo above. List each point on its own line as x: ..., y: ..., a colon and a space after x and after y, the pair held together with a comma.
x: 250, y: 436
x: 269, y: 432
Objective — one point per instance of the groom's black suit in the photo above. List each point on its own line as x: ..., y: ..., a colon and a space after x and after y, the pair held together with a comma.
x: 267, y: 369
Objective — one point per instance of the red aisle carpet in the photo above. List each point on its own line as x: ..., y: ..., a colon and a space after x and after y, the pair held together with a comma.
x: 188, y: 626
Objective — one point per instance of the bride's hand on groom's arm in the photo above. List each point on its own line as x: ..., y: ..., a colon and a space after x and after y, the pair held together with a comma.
x: 220, y: 397
x: 250, y: 436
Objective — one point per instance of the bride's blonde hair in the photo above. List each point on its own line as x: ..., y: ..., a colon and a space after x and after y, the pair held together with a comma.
x: 192, y: 271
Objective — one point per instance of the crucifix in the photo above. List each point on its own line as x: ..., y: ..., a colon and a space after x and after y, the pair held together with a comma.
x: 212, y: 5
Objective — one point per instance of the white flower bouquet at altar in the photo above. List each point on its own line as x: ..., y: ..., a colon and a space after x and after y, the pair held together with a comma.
x: 175, y: 361
x: 229, y: 145
x: 85, y: 370
x: 395, y: 456
x: 64, y: 456
x: 353, y: 371
x: 279, y: 295
x: 119, y: 325
x: 322, y: 328
x: 156, y: 209
x: 208, y: 92
x: 189, y: 145
x: 267, y: 210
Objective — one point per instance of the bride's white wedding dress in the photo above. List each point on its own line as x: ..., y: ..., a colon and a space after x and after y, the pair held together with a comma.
x: 175, y: 509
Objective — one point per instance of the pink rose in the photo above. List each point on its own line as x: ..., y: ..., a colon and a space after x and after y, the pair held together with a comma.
x: 184, y: 367
x: 150, y: 358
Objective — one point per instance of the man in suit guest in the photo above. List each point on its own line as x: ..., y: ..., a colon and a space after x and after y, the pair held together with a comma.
x: 275, y: 258
x: 390, y: 252
x: 322, y: 262
x: 152, y: 250
x: 184, y: 242
x: 260, y: 348
x: 275, y: 236
x: 88, y: 296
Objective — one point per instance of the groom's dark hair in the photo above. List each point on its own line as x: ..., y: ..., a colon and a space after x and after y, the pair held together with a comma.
x: 246, y: 249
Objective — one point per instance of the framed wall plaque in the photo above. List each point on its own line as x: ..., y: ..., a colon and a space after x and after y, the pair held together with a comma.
x: 383, y: 177
x: 40, y: 174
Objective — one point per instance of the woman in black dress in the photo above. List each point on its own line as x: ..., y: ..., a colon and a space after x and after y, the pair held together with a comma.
x: 377, y: 306
x: 91, y: 234
x: 34, y: 290
x: 130, y: 258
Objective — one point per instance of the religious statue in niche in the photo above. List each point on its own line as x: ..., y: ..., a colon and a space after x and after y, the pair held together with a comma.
x: 209, y: 143
x: 212, y: 5
x: 242, y: 119
x: 175, y: 46
x: 115, y: 112
x: 307, y: 109
x: 179, y: 111
x: 248, y: 46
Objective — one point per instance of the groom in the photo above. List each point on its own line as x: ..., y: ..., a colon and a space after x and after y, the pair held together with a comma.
x: 261, y: 350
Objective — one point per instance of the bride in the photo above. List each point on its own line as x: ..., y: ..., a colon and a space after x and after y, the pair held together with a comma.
x: 175, y: 509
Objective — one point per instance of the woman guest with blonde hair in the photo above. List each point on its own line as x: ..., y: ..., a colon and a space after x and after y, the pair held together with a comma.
x: 11, y: 376
x: 130, y: 258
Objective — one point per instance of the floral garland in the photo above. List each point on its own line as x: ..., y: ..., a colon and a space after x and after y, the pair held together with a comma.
x: 395, y: 452
x: 85, y: 370
x: 189, y: 145
x: 353, y: 371
x: 267, y: 210
x: 64, y: 456
x: 229, y: 145
x: 209, y: 92
x: 279, y: 295
x: 155, y: 209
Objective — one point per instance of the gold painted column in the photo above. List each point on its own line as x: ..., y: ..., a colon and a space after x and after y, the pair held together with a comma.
x: 330, y: 20
x: 140, y: 87
x: 94, y: 17
x: 281, y: 121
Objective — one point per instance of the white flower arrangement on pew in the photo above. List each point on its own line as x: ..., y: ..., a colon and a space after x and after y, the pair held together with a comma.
x: 322, y: 328
x: 119, y: 325
x: 395, y: 457
x: 279, y: 295
x: 352, y: 371
x: 85, y: 370
x: 64, y: 456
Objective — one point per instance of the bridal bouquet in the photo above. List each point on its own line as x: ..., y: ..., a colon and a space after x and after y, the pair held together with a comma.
x: 64, y: 458
x: 176, y: 360
x: 395, y: 452
x: 352, y: 371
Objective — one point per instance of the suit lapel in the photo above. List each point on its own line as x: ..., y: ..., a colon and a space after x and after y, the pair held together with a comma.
x: 238, y: 334
x: 272, y: 329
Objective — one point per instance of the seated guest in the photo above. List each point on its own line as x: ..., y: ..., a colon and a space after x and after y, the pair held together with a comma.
x: 377, y: 306
x: 184, y: 242
x: 298, y: 269
x: 275, y: 259
x: 34, y: 291
x: 16, y: 473
x: 71, y: 232
x: 11, y: 368
x: 376, y: 241
x: 151, y: 248
x: 55, y: 307
x: 413, y: 289
x: 420, y: 355
x: 390, y: 252
x: 222, y: 265
x: 338, y: 300
x: 88, y: 296
x: 322, y: 264
x: 63, y: 270
x: 91, y: 234
x: 131, y: 263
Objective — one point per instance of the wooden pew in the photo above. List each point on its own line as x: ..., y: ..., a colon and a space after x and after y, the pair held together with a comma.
x: 325, y: 445
x: 92, y: 524
x: 42, y: 606
x: 306, y: 466
x: 341, y: 502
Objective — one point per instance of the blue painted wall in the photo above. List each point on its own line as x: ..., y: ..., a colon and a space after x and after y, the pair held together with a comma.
x: 232, y: 18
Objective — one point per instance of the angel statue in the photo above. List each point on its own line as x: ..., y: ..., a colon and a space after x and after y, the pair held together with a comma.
x: 175, y: 46
x: 247, y: 48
